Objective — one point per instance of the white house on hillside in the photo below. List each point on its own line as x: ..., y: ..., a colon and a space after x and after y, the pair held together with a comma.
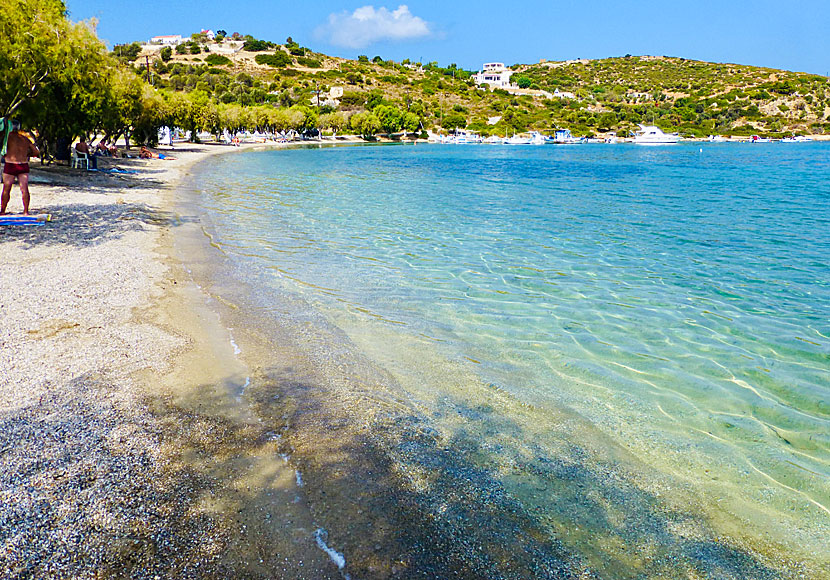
x: 494, y: 74
x: 169, y: 40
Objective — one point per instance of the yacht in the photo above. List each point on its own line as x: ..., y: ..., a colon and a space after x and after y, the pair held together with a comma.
x: 494, y: 140
x: 653, y: 135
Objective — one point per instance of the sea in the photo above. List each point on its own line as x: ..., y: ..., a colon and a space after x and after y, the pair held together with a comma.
x: 560, y: 361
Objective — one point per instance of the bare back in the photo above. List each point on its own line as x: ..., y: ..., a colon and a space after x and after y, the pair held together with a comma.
x: 20, y: 148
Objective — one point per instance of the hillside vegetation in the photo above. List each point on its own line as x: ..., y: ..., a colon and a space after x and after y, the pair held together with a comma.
x: 613, y: 94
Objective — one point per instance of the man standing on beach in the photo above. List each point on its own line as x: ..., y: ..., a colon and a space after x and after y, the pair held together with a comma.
x: 19, y: 149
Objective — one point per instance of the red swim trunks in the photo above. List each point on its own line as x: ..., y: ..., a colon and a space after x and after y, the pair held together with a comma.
x: 16, y: 168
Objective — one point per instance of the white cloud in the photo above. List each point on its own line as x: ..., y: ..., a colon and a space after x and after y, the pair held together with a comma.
x: 367, y: 25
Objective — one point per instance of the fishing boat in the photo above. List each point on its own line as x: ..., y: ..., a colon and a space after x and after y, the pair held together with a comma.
x: 517, y: 140
x: 653, y: 135
x: 565, y: 137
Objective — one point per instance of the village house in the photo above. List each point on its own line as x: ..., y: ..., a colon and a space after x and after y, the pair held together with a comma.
x: 168, y: 40
x: 494, y: 74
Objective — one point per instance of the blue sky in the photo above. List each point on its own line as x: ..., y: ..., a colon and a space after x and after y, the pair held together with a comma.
x: 774, y: 33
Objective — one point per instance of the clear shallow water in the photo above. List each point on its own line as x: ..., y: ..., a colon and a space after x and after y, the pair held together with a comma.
x: 660, y: 314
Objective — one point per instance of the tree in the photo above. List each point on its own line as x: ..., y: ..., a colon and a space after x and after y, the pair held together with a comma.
x: 166, y: 54
x: 389, y: 118
x: 31, y: 50
x: 453, y: 121
x: 524, y: 82
x: 126, y: 52
x: 57, y: 75
x: 366, y: 124
x: 410, y: 122
x: 362, y: 58
x: 334, y: 121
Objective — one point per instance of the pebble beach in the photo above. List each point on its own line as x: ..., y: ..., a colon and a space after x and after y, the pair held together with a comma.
x: 105, y: 473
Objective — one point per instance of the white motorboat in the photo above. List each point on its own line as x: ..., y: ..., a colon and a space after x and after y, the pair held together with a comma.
x: 494, y: 140
x: 536, y: 138
x: 717, y: 138
x: 653, y: 135
x: 757, y: 139
x: 796, y: 139
x: 517, y: 140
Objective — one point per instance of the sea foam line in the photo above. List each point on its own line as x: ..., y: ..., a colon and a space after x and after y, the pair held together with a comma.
x: 320, y: 537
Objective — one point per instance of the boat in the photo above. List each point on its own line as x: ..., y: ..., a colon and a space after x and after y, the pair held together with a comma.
x: 537, y: 138
x: 465, y: 138
x: 517, y: 140
x: 564, y: 137
x: 796, y: 139
x: 757, y: 139
x: 717, y: 139
x: 494, y: 140
x: 653, y: 135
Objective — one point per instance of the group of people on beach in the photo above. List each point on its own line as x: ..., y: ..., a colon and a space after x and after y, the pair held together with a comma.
x: 19, y: 146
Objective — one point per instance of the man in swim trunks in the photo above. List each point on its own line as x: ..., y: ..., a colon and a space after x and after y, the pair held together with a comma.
x: 20, y: 148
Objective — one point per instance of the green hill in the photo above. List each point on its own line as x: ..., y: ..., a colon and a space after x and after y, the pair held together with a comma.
x: 586, y: 96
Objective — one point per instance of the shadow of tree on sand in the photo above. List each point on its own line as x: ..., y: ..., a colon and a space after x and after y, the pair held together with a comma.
x: 402, y: 501
x: 83, y: 496
x: 82, y: 225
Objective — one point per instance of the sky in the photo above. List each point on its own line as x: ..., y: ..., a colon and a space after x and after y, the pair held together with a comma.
x: 785, y: 34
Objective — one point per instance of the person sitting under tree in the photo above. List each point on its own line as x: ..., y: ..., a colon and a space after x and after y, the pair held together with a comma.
x: 18, y: 149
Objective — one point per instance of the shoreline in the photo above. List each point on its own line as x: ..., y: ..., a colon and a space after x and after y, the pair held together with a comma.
x: 186, y: 444
x: 108, y: 471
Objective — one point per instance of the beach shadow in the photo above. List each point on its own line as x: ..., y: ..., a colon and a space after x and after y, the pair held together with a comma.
x: 83, y: 225
x: 400, y: 501
x: 88, y: 498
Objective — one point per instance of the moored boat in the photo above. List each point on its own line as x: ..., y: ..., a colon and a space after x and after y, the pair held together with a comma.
x: 653, y: 135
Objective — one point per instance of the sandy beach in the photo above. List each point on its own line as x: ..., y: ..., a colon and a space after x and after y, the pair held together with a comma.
x: 113, y: 466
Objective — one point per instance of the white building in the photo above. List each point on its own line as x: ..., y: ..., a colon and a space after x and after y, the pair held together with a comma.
x: 494, y: 74
x: 168, y: 40
x: 209, y: 34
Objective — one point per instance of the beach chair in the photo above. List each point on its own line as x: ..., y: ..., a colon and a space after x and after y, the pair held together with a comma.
x: 79, y: 159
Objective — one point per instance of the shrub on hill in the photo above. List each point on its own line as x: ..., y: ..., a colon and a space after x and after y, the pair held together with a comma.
x: 217, y: 60
x: 309, y: 62
x: 278, y: 59
x: 253, y: 45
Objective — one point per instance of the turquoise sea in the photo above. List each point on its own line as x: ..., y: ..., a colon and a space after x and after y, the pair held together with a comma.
x: 564, y: 360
